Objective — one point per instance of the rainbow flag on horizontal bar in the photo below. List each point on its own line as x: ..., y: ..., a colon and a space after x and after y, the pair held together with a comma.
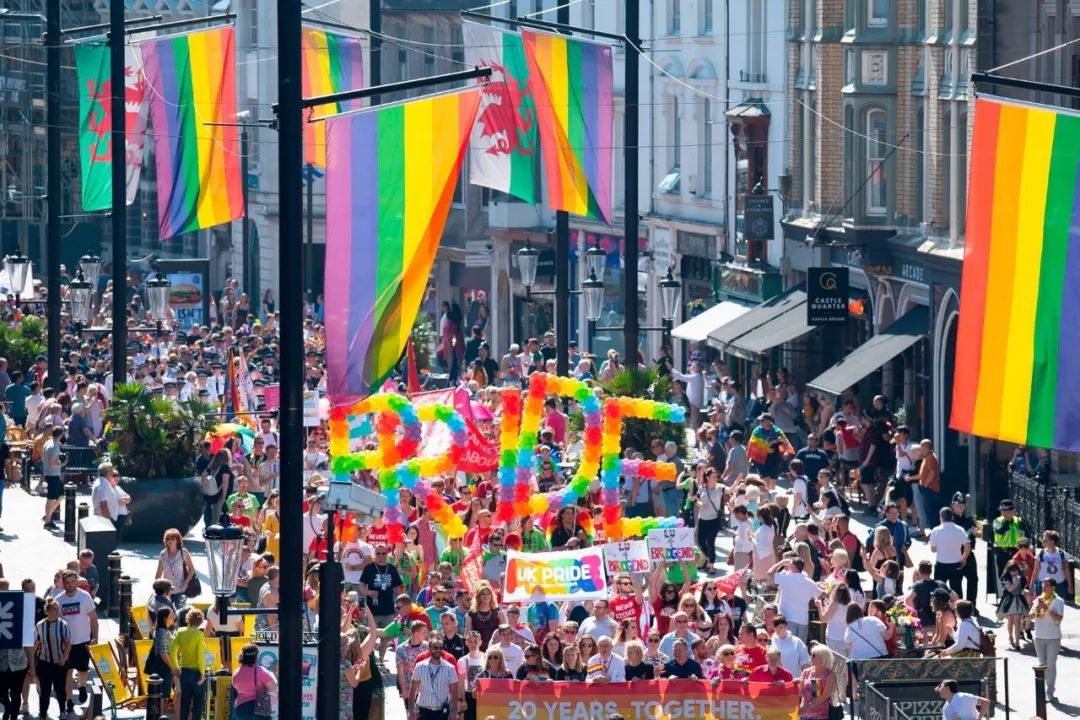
x: 571, y: 82
x: 192, y: 83
x: 1019, y: 327
x: 332, y: 63
x: 390, y: 177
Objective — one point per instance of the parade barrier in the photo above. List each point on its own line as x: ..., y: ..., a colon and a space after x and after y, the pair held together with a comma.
x: 640, y: 700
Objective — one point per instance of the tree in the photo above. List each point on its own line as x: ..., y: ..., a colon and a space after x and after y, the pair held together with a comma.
x: 155, y: 437
x: 23, y: 342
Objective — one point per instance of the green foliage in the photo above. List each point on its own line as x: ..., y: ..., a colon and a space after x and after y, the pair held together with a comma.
x: 22, y: 343
x: 638, y: 433
x: 152, y: 437
x: 424, y: 338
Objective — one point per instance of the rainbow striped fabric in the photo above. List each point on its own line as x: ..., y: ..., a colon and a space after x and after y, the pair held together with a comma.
x: 1019, y: 325
x: 383, y: 227
x: 332, y: 63
x: 191, y: 82
x: 762, y: 442
x: 571, y: 83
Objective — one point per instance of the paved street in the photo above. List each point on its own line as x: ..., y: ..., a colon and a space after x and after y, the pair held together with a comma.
x: 26, y: 550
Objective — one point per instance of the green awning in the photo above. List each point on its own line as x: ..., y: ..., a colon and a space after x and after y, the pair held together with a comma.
x: 875, y: 352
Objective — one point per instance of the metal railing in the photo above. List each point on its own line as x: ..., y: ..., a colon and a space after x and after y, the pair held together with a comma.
x: 1046, y: 506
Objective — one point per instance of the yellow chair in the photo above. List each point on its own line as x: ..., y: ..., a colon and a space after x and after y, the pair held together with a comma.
x: 143, y: 649
x: 140, y: 621
x: 108, y: 669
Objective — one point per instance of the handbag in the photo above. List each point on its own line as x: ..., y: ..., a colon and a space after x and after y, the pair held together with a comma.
x: 208, y: 485
x: 264, y: 703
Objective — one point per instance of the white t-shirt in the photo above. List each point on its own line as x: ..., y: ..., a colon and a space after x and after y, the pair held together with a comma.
x: 1051, y: 565
x: 1045, y: 628
x: 514, y: 657
x: 798, y: 488
x: 864, y: 639
x: 75, y: 610
x: 597, y: 629
x: 793, y: 653
x: 903, y: 462
x: 763, y: 542
x: 947, y: 541
x: 103, y: 492
x: 796, y: 592
x: 837, y: 624
x: 354, y: 553
x: 744, y: 537
x: 962, y: 706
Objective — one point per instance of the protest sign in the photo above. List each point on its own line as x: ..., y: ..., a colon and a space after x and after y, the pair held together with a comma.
x: 564, y: 575
x: 629, y: 556
x: 640, y: 700
x: 671, y: 544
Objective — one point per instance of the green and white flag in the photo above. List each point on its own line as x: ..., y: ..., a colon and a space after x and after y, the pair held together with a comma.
x: 504, y: 150
x: 95, y: 122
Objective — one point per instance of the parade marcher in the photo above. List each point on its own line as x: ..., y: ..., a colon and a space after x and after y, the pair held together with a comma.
x: 1047, y: 612
x: 434, y: 692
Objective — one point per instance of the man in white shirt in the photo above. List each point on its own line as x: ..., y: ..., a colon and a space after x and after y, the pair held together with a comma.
x: 794, y: 656
x: 605, y: 666
x: 103, y: 497
x: 599, y: 623
x: 951, y: 549
x: 355, y: 555
x: 958, y: 705
x: 799, y: 489
x: 434, y: 688
x: 796, y: 592
x: 513, y: 655
x: 78, y: 610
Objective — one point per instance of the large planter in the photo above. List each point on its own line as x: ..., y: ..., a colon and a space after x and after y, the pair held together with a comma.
x: 160, y: 504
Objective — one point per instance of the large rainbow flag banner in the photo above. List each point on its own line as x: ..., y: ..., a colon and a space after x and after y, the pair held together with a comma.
x: 191, y: 82
x: 1019, y: 324
x: 390, y: 177
x: 571, y: 83
x: 332, y: 63
x: 639, y: 700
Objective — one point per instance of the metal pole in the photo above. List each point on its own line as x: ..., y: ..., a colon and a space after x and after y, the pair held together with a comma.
x: 309, y: 248
x: 124, y: 618
x: 119, y: 193
x: 562, y: 266
x: 1008, y: 708
x: 375, y: 53
x: 1040, y: 690
x: 69, y: 512
x: 330, y: 579
x: 113, y: 604
x: 630, y: 176
x: 245, y: 223
x: 82, y: 510
x: 290, y: 282
x: 54, y: 191
x: 153, y: 697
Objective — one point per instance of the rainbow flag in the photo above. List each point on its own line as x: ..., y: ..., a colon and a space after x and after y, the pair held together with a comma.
x: 1019, y: 322
x: 332, y: 63
x: 191, y: 80
x: 762, y: 441
x: 390, y: 176
x: 571, y: 82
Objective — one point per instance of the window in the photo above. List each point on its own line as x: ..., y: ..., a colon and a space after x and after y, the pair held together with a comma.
x: 457, y: 51
x: 877, y: 13
x: 849, y: 66
x: 755, y: 41
x: 589, y: 14
x: 403, y: 64
x: 676, y: 17
x: 707, y: 16
x: 920, y: 160
x: 676, y: 134
x: 706, y: 148
x: 962, y: 180
x: 877, y: 138
x: 429, y: 51
x: 253, y: 25
x: 809, y: 145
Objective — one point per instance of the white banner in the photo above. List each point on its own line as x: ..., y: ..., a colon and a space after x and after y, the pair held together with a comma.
x: 628, y: 556
x: 672, y: 544
x: 563, y: 575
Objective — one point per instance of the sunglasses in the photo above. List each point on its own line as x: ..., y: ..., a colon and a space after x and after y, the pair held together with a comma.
x: 681, y: 622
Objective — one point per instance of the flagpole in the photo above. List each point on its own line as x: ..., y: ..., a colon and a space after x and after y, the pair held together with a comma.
x: 562, y: 266
x: 54, y: 190
x: 118, y: 84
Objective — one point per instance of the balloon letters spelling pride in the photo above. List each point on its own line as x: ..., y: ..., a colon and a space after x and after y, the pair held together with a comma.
x: 397, y: 428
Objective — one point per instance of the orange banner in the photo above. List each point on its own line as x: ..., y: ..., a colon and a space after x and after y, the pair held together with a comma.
x: 640, y: 700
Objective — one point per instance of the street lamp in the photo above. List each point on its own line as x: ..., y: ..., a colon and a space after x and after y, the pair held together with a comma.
x: 670, y: 289
x: 595, y: 260
x: 91, y: 270
x: 81, y: 295
x: 18, y: 266
x: 528, y: 260
x: 592, y: 289
x: 224, y: 548
x: 157, y: 297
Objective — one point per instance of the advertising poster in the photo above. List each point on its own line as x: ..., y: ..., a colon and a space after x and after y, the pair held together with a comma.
x: 268, y: 658
x: 186, y: 298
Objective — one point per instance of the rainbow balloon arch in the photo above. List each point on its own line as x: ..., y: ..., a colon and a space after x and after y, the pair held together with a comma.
x: 397, y: 426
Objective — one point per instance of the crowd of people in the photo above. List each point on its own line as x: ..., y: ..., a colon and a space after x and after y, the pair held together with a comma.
x: 783, y: 474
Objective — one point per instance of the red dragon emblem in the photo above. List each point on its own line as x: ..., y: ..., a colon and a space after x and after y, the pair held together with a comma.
x: 508, y: 116
x: 100, y: 119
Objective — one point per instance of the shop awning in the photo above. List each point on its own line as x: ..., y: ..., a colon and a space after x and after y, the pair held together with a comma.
x: 773, y: 322
x: 697, y: 328
x: 875, y: 352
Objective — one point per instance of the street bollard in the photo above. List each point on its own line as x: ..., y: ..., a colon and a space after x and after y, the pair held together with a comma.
x: 81, y: 511
x: 97, y: 701
x: 69, y: 512
x: 124, y: 607
x: 113, y: 606
x: 1040, y: 690
x: 153, y: 696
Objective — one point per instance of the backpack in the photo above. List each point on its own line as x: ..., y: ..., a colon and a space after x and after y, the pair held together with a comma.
x: 777, y: 541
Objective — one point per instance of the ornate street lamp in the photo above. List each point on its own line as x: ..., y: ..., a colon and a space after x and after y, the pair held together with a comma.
x: 18, y: 266
x: 224, y: 549
x: 593, y: 291
x: 91, y: 270
x: 595, y: 260
x: 528, y: 260
x: 81, y: 296
x: 670, y: 289
x: 157, y: 297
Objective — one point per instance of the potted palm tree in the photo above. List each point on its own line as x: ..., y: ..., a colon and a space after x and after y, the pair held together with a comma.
x: 154, y: 443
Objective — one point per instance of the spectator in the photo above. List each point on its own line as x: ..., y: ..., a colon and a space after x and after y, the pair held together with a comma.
x: 253, y: 686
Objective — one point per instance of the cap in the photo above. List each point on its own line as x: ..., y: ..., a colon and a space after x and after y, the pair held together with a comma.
x: 959, y: 499
x: 1006, y: 505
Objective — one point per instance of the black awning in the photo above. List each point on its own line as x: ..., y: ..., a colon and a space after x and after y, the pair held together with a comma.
x: 773, y: 322
x: 875, y: 352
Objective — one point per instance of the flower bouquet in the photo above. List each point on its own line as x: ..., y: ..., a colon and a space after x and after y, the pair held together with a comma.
x: 905, y: 618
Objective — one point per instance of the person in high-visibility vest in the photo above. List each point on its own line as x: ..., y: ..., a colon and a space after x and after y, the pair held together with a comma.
x: 1008, y: 529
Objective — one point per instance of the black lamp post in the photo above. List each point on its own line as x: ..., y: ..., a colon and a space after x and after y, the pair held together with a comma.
x: 90, y: 267
x: 18, y: 266
x: 593, y: 292
x: 157, y: 297
x: 81, y: 297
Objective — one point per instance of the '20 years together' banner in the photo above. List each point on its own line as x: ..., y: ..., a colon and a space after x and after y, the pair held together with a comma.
x: 641, y: 700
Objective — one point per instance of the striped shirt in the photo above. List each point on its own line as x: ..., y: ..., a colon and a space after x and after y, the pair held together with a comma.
x: 434, y: 682
x: 50, y: 636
